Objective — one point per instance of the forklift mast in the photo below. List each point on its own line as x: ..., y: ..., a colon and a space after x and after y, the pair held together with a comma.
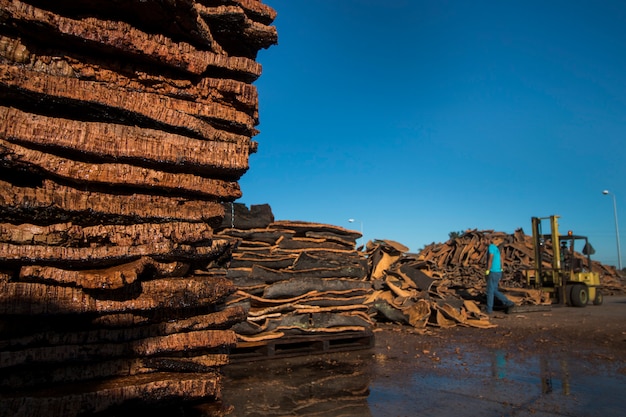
x: 539, y: 243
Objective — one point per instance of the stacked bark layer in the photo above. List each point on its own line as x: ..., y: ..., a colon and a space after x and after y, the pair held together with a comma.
x: 124, y: 126
x: 295, y: 277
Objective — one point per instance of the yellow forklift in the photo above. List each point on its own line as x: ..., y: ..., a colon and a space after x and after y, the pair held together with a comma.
x: 561, y: 271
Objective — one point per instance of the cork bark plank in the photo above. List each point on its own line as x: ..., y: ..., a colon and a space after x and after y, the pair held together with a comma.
x: 233, y: 21
x: 115, y: 174
x: 140, y: 107
x: 98, y: 333
x: 68, y: 234
x: 205, y: 340
x: 18, y: 298
x: 128, y: 76
x: 107, y: 255
x: 55, y: 200
x: 153, y: 148
x: 111, y: 278
x: 45, y: 375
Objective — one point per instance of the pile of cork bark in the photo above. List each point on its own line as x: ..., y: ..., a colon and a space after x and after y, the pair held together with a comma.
x: 443, y: 285
x: 295, y: 277
x: 406, y: 292
x: 124, y: 126
x: 462, y: 260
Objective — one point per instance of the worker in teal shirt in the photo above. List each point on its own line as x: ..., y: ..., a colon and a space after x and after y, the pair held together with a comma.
x: 494, y: 274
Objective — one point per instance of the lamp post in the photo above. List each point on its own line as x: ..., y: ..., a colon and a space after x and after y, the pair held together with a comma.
x: 619, y: 252
x: 352, y: 221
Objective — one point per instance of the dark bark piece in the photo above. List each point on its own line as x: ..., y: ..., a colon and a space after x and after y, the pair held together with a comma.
x: 332, y: 237
x: 271, y: 275
x: 304, y: 243
x: 420, y: 279
x: 303, y: 227
x: 317, y: 259
x: 238, y: 216
x: 273, y: 262
x: 319, y: 322
x: 269, y: 236
x: 295, y: 287
x: 331, y: 300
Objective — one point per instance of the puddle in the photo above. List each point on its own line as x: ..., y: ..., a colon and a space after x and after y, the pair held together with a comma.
x: 320, y: 385
x: 496, y: 383
x: 474, y: 384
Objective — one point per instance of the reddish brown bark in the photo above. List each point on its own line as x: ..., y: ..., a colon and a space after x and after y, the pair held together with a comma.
x: 32, y: 298
x: 124, y: 128
x: 72, y: 202
x: 126, y: 40
x: 115, y: 174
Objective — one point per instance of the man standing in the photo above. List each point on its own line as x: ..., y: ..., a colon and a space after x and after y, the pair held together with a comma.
x: 494, y: 274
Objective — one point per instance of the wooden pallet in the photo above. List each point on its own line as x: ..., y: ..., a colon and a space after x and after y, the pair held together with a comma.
x: 289, y: 346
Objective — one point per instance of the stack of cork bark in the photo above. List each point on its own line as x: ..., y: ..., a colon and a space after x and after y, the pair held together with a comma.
x: 124, y: 126
x: 295, y: 277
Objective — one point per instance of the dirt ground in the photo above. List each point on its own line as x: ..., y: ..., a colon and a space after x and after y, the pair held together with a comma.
x: 592, y: 331
x: 563, y: 362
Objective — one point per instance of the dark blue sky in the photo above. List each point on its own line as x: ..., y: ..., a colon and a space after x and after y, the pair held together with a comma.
x: 418, y: 118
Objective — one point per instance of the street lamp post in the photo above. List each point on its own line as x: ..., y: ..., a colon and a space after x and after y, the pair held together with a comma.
x: 619, y: 251
x: 352, y: 221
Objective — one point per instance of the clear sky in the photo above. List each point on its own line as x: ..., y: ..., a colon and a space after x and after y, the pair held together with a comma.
x: 419, y: 118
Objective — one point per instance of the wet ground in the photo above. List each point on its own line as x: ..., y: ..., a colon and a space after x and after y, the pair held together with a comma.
x: 563, y: 362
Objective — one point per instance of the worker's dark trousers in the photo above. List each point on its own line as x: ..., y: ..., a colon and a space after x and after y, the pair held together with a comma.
x: 493, y: 280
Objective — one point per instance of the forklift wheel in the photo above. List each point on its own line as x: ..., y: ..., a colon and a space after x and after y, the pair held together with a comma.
x: 599, y: 298
x: 579, y: 295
